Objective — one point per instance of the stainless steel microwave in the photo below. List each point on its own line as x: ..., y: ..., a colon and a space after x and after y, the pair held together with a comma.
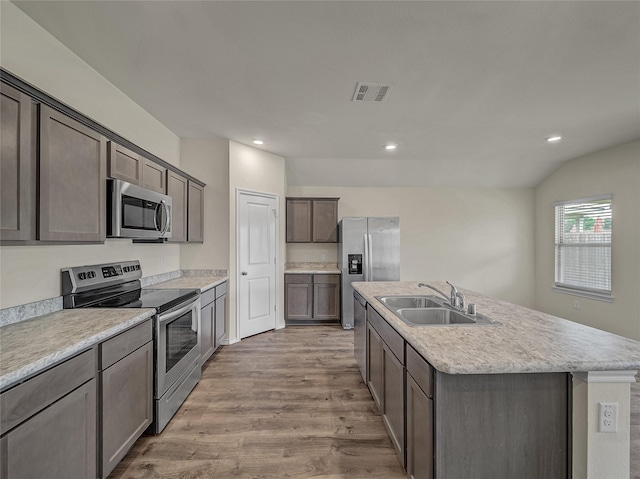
x: 136, y: 212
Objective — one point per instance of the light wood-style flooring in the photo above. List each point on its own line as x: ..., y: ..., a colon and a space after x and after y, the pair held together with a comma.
x: 284, y: 404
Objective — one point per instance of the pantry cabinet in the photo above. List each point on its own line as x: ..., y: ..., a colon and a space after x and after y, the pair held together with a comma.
x: 72, y: 180
x: 18, y: 130
x: 312, y: 220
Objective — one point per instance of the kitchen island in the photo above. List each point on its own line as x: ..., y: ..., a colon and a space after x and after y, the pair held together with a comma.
x: 500, y: 393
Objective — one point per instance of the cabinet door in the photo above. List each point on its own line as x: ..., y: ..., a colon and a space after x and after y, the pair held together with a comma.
x: 127, y: 404
x: 393, y: 400
x: 57, y: 443
x: 299, y: 216
x: 195, y: 222
x: 419, y: 432
x: 72, y: 180
x: 154, y: 176
x: 298, y: 301
x: 325, y: 221
x: 375, y: 366
x: 207, y: 331
x: 124, y: 164
x: 326, y: 297
x: 177, y: 189
x: 17, y: 165
x: 221, y: 319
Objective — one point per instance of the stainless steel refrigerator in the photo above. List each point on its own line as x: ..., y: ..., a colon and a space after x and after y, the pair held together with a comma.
x: 368, y: 250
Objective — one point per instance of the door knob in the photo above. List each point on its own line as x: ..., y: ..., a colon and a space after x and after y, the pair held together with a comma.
x: 244, y: 273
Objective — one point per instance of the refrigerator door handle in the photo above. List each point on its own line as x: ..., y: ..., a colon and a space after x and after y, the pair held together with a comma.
x: 370, y: 263
x: 366, y: 257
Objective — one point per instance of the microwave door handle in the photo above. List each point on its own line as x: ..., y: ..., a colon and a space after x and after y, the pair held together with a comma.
x: 167, y: 222
x: 155, y: 218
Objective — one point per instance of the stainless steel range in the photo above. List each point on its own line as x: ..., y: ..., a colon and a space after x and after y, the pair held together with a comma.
x: 177, y: 367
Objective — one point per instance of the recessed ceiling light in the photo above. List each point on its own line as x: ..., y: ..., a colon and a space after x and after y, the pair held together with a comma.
x: 554, y: 139
x: 390, y: 147
x: 258, y: 142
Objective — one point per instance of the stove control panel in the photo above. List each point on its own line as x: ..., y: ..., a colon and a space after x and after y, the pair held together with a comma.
x: 86, y: 278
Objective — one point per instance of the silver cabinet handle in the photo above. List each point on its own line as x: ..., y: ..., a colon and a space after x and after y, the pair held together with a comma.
x: 244, y: 273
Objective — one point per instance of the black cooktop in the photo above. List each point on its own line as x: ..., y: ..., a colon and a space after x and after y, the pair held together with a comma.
x: 160, y: 299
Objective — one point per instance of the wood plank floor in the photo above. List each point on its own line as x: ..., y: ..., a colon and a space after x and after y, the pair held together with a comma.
x: 284, y: 404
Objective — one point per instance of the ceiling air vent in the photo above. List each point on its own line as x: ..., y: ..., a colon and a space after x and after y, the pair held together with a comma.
x: 371, y: 91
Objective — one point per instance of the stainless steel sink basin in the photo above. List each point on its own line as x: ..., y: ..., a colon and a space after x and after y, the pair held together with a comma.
x: 434, y: 316
x: 416, y: 310
x: 400, y: 302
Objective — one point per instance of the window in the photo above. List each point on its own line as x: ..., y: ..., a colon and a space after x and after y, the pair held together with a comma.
x: 583, y: 247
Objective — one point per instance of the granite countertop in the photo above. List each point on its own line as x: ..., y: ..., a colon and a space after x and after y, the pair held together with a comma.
x: 528, y: 341
x: 203, y: 283
x: 312, y: 268
x: 31, y: 346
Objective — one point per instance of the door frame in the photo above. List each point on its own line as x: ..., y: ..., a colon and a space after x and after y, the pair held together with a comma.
x: 239, y: 193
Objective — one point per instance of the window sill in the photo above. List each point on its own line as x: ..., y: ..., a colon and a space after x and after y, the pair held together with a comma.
x: 607, y: 298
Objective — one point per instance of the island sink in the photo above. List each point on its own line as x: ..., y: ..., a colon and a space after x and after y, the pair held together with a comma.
x: 431, y: 311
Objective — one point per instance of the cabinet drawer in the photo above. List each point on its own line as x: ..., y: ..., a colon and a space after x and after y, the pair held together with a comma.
x: 207, y: 297
x: 25, y: 400
x: 326, y: 278
x: 420, y: 370
x: 387, y: 333
x: 298, y: 278
x: 221, y: 290
x: 114, y: 349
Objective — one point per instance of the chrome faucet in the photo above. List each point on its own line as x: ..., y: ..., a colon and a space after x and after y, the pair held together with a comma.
x: 455, y: 298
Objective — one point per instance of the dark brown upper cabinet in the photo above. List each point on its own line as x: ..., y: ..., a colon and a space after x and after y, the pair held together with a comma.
x: 177, y: 188
x: 73, y: 171
x: 154, y: 176
x: 18, y: 127
x: 312, y: 220
x: 124, y: 164
x: 195, y: 214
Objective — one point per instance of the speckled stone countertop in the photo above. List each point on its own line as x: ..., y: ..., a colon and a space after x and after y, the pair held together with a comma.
x: 203, y: 283
x: 528, y: 341
x: 311, y: 268
x: 31, y: 346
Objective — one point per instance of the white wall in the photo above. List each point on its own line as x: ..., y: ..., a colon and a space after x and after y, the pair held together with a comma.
x: 29, y: 52
x: 255, y: 170
x: 208, y: 160
x: 613, y: 171
x: 480, y: 239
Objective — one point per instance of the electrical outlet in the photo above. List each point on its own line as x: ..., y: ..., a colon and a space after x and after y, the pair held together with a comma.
x: 608, y: 417
x: 323, y: 257
x: 576, y: 304
x: 306, y: 257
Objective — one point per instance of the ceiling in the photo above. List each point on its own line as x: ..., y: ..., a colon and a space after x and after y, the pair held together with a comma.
x: 476, y: 86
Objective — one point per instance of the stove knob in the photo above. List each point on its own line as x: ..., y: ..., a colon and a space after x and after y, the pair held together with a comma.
x: 82, y: 275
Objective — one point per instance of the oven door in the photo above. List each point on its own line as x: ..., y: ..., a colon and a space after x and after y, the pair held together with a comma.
x: 177, y: 343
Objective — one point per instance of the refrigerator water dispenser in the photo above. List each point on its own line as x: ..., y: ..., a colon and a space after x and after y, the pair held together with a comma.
x: 355, y: 263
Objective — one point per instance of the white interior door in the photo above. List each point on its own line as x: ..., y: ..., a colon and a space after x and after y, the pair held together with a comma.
x: 257, y: 267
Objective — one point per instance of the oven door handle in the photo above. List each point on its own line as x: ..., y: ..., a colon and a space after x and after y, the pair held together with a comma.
x: 165, y: 317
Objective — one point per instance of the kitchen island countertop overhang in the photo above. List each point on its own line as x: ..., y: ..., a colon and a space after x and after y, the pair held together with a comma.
x: 527, y: 341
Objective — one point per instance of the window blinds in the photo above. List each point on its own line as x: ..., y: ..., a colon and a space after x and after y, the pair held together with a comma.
x: 583, y: 245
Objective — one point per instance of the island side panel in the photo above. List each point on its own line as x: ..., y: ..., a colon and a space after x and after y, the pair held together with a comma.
x: 502, y: 425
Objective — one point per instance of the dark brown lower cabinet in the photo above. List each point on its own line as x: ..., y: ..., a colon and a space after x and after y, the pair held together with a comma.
x: 126, y: 382
x: 386, y: 383
x: 213, y: 320
x: 49, y: 423
x: 312, y: 297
